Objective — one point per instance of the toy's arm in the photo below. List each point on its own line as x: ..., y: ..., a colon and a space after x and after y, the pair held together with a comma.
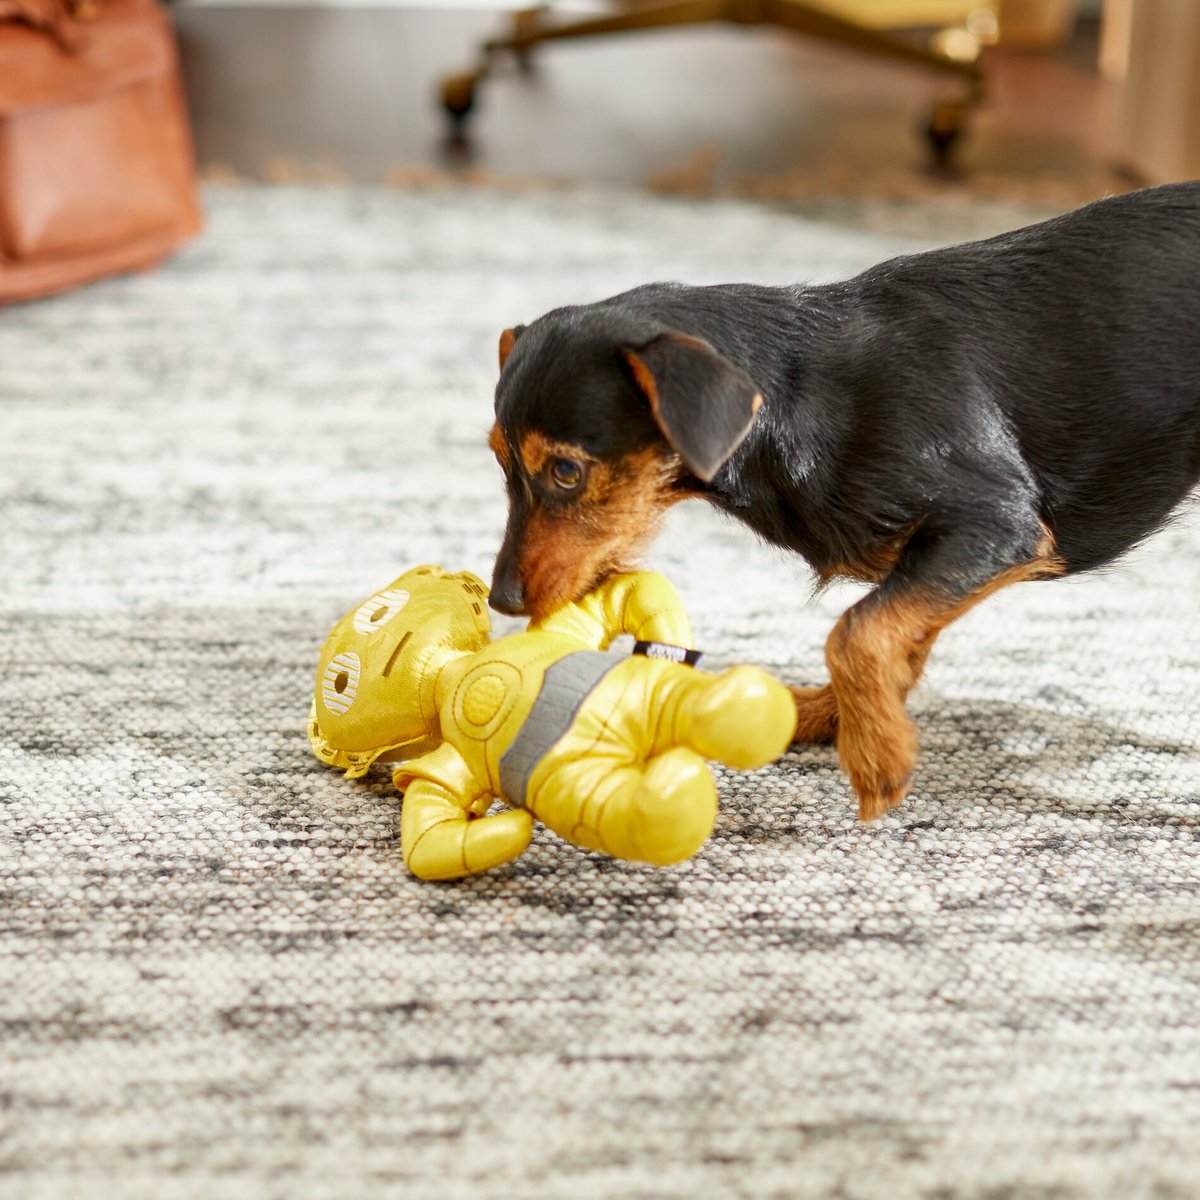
x: 643, y: 604
x: 443, y: 832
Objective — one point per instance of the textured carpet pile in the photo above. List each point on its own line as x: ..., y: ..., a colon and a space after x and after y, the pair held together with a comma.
x: 216, y: 979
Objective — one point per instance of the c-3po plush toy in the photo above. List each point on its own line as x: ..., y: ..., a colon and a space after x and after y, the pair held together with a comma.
x: 606, y: 749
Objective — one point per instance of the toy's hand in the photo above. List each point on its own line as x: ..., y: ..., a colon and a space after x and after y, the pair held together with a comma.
x: 743, y: 717
x: 660, y: 810
x: 643, y: 604
x: 629, y: 776
x: 440, y: 839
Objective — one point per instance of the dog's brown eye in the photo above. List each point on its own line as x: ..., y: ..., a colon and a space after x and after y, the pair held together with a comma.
x: 566, y: 474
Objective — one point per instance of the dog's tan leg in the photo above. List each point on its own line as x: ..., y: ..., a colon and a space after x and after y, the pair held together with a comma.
x: 817, y: 707
x: 816, y: 715
x: 877, y: 652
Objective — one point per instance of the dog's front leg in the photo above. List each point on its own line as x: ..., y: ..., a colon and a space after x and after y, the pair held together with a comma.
x: 878, y: 650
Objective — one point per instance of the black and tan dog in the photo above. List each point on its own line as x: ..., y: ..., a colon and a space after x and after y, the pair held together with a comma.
x: 941, y: 426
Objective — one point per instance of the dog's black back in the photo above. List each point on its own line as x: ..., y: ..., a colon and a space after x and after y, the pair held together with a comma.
x: 1084, y: 332
x: 1056, y: 366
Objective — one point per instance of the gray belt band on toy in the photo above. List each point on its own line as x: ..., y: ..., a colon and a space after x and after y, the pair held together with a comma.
x: 566, y: 685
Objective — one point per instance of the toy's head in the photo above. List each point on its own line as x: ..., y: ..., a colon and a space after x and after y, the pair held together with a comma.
x: 379, y: 666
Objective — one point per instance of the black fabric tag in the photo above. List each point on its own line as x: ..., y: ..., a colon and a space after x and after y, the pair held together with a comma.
x: 679, y: 654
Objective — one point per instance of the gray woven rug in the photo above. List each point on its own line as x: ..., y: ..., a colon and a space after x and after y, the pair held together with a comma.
x: 216, y: 979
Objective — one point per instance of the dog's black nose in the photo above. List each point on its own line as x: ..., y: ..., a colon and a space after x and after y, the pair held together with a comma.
x: 507, y: 595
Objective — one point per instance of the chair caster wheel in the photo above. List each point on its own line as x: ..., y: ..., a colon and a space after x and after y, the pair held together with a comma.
x: 458, y: 98
x: 945, y: 128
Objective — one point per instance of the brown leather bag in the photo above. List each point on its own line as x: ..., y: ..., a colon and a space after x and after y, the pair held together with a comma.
x: 96, y: 167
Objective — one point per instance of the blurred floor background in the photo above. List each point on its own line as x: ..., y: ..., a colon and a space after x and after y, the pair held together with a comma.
x: 286, y: 93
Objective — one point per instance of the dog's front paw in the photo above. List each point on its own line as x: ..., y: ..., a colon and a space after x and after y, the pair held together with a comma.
x: 879, y: 761
x: 875, y: 798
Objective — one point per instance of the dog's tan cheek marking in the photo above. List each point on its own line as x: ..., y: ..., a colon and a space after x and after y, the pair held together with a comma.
x: 639, y: 487
x: 625, y: 502
x: 559, y: 561
x: 566, y: 552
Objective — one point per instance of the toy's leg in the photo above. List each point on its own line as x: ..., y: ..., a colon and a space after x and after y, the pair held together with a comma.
x: 743, y: 717
x: 658, y: 812
x: 630, y: 778
x: 442, y: 840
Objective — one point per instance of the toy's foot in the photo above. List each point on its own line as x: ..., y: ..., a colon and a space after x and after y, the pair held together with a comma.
x: 669, y: 815
x: 449, y: 847
x: 816, y: 716
x: 744, y: 718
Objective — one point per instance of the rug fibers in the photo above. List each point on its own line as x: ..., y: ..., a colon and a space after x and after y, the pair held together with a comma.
x: 216, y: 978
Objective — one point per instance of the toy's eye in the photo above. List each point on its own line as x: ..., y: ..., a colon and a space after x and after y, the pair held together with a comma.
x: 339, y: 683
x: 566, y: 473
x: 379, y: 610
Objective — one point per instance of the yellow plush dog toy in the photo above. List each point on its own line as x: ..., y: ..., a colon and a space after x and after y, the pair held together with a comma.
x: 606, y: 749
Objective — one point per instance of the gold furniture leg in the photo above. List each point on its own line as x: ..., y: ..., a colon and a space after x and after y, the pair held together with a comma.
x: 530, y: 29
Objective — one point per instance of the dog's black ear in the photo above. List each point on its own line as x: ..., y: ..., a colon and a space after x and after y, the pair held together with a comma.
x: 703, y: 404
x: 508, y: 339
